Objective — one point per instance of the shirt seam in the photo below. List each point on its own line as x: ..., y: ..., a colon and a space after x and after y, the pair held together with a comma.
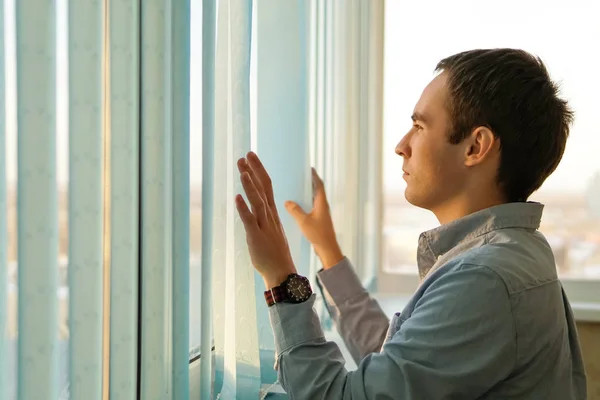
x: 541, y: 284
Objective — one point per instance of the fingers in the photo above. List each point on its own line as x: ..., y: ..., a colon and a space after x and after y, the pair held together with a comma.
x: 295, y: 211
x: 319, y: 196
x: 248, y: 219
x: 243, y: 166
x: 264, y: 178
x: 317, y: 181
x: 256, y: 201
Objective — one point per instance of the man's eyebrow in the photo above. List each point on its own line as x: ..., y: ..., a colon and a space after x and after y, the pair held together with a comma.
x: 418, y: 117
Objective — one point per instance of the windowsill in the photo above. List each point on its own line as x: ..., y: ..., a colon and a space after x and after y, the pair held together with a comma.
x: 586, y: 312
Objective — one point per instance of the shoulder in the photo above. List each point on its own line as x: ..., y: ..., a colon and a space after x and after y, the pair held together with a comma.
x: 468, y: 284
x: 522, y: 259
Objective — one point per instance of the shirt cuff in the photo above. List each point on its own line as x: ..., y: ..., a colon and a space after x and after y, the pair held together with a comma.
x: 340, y: 283
x: 294, y: 324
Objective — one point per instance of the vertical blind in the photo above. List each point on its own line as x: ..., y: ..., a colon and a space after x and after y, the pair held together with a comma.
x: 298, y: 82
x: 128, y: 199
x: 37, y: 227
x: 86, y: 198
x: 123, y: 120
x: 282, y: 131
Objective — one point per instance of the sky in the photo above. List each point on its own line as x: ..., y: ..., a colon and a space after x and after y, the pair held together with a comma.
x: 417, y: 35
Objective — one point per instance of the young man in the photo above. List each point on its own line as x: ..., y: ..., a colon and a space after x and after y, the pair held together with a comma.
x: 490, y: 319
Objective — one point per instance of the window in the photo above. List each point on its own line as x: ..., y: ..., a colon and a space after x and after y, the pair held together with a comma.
x: 563, y: 35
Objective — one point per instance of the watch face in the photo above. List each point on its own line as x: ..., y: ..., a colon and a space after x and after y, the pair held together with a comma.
x: 298, y: 288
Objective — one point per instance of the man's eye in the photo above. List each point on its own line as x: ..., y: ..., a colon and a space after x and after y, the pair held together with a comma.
x: 417, y: 127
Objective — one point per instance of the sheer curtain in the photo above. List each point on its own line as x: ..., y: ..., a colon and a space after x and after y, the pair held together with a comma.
x: 346, y: 93
x: 235, y: 333
x: 242, y: 334
x: 316, y: 100
x: 345, y: 126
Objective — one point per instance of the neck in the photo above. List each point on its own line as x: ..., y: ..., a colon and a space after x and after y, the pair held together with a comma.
x: 464, y: 205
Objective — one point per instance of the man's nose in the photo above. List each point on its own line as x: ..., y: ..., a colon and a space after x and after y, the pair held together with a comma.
x: 402, y: 148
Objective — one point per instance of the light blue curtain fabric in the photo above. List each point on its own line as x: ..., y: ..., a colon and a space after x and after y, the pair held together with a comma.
x: 85, y: 48
x: 124, y: 198
x: 37, y: 220
x: 282, y: 126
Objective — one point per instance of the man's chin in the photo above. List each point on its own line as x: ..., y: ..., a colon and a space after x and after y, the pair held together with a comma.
x: 414, y: 200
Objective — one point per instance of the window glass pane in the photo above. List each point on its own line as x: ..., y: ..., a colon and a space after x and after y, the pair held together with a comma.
x: 563, y: 35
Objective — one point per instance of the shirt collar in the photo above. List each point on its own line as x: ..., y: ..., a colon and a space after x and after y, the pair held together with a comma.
x: 434, y: 243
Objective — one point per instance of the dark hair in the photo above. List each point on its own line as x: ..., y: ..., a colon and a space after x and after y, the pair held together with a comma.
x: 510, y: 92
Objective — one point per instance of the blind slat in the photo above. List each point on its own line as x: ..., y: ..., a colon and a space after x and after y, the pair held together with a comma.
x: 37, y: 220
x: 85, y: 198
x: 219, y: 220
x: 156, y: 199
x: 208, y: 160
x: 124, y: 199
x: 244, y: 312
x: 282, y: 123
x: 181, y: 196
x: 3, y: 226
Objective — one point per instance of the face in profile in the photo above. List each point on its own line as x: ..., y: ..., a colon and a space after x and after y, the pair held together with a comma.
x: 434, y: 168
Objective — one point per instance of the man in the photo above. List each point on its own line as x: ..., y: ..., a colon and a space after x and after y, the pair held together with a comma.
x: 490, y: 319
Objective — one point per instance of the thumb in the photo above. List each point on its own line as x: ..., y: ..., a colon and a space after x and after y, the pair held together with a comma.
x: 319, y: 196
x: 295, y: 211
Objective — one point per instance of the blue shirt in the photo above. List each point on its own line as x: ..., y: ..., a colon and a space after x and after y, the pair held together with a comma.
x: 490, y: 320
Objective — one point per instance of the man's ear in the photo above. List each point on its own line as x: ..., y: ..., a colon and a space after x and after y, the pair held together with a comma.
x: 480, y: 145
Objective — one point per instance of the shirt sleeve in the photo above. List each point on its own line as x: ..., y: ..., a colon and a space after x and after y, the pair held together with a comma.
x: 459, y: 342
x: 357, y: 316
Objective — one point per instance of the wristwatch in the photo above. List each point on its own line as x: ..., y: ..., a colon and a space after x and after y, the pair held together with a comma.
x: 295, y: 289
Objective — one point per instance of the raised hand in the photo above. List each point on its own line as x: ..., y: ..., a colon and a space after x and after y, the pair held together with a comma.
x: 317, y: 225
x: 268, y: 246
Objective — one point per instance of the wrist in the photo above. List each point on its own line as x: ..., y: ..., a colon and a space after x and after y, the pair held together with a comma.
x: 331, y: 256
x: 277, y: 278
